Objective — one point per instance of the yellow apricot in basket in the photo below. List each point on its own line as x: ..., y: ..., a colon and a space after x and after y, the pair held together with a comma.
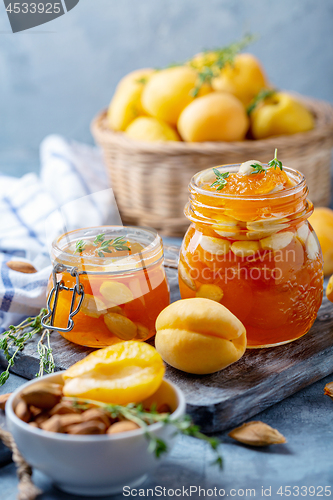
x: 123, y: 373
x: 218, y: 116
x: 199, y: 336
x: 147, y: 128
x: 126, y: 104
x: 169, y: 91
x: 244, y: 78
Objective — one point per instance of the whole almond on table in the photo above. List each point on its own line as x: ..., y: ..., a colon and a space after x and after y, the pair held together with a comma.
x: 257, y: 433
x: 328, y: 391
x: 42, y: 395
x: 123, y: 426
x: 21, y: 267
x: 3, y: 400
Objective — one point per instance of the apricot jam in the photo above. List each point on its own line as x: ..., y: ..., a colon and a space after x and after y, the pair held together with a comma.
x: 120, y: 270
x: 251, y: 248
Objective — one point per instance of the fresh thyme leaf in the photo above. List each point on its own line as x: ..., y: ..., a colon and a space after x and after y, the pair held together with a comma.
x: 221, y: 181
x: 98, y: 239
x: 14, y: 339
x: 215, y: 60
x: 258, y: 169
x: 100, y: 254
x: 275, y: 163
x: 261, y: 96
x: 79, y: 247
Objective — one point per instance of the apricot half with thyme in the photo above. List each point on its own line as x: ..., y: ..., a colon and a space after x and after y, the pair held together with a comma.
x: 123, y: 373
x: 199, y: 336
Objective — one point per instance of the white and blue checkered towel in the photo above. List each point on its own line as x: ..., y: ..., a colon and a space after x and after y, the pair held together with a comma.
x: 72, y: 191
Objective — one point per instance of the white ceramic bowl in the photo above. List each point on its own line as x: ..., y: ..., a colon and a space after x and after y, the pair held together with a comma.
x: 97, y: 464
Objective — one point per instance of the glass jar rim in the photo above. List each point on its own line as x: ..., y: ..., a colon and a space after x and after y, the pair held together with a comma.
x: 149, y: 255
x: 292, y: 173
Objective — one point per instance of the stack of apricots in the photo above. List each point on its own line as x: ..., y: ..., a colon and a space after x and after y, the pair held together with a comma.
x: 218, y: 95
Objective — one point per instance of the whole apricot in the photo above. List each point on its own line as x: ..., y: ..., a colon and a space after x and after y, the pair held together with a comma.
x: 199, y: 336
x: 244, y: 78
x: 280, y: 114
x: 322, y: 222
x: 126, y: 104
x: 169, y: 91
x: 218, y: 116
x: 147, y: 128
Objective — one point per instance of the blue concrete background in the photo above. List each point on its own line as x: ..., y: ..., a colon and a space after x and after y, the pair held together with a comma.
x: 54, y: 78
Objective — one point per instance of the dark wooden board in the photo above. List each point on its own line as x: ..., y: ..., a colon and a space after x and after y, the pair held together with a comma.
x: 217, y: 402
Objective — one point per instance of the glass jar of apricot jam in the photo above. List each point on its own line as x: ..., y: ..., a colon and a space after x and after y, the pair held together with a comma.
x: 251, y: 248
x: 108, y: 284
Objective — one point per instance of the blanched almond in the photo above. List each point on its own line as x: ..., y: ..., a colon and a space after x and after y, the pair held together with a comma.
x: 245, y: 248
x: 42, y: 395
x: 277, y: 241
x: 3, y: 400
x: 33, y: 424
x: 22, y: 411
x: 212, y: 292
x: 121, y: 327
x: 312, y: 247
x: 93, y: 306
x: 302, y: 232
x: 21, y: 267
x: 247, y: 169
x: 184, y: 275
x: 115, y: 293
x: 215, y: 246
x: 90, y: 427
x: 257, y: 433
x: 123, y: 426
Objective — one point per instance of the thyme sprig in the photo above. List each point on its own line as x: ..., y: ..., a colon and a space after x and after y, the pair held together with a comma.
x: 220, y: 179
x: 275, y: 163
x: 258, y: 169
x: 107, y: 246
x: 46, y: 360
x: 215, y: 60
x: 15, y: 338
x: 136, y: 413
x: 261, y: 96
x: 80, y: 245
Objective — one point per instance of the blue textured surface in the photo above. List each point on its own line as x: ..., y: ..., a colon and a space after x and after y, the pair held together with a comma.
x: 54, y: 78
x: 305, y: 419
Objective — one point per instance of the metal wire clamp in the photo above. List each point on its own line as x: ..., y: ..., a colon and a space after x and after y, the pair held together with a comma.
x: 77, y: 290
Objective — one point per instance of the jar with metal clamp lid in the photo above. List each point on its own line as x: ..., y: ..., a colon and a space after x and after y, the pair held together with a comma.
x: 108, y: 284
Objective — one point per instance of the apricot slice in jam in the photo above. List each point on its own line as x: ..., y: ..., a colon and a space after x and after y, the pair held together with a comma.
x: 212, y: 292
x: 116, y: 293
x: 123, y: 373
x: 93, y: 306
x: 245, y: 248
x: 120, y: 326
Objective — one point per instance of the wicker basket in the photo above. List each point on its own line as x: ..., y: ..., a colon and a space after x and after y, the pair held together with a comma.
x: 150, y: 180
